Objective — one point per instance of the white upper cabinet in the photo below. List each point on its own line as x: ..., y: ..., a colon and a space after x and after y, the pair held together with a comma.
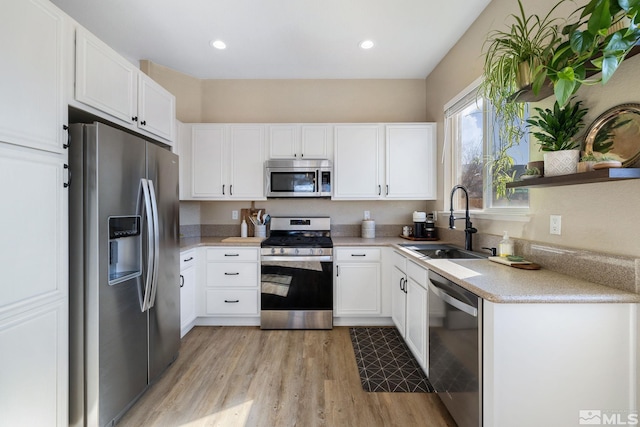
x: 112, y: 85
x: 156, y: 108
x: 32, y: 111
x: 356, y: 165
x: 411, y: 161
x: 105, y: 80
x: 226, y: 162
x: 371, y: 164
x: 295, y: 141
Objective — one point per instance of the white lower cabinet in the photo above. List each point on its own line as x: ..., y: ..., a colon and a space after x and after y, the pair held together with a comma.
x: 409, y: 305
x: 417, y: 328
x: 188, y: 280
x: 357, y: 281
x: 398, y: 292
x: 231, y: 284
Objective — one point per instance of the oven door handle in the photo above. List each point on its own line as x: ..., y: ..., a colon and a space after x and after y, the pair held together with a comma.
x: 322, y: 258
x: 472, y: 311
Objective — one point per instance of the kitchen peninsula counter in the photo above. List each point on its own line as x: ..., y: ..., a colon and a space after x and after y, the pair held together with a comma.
x: 499, y: 283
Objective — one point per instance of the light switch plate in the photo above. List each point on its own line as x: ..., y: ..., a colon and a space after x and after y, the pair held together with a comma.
x: 555, y: 224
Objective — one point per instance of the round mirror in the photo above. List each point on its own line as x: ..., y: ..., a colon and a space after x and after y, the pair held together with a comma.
x: 616, y: 134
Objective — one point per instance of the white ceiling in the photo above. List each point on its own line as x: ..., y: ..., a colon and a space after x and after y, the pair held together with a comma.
x: 281, y: 39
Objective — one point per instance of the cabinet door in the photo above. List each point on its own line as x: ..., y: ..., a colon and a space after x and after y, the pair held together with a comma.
x: 357, y: 162
x: 32, y: 111
x: 105, y: 80
x: 187, y: 290
x: 34, y: 377
x: 34, y: 291
x: 358, y: 289
x: 283, y: 141
x: 316, y: 142
x: 416, y: 332
x: 411, y: 161
x: 34, y: 240
x: 156, y: 108
x: 246, y: 144
x: 208, y: 162
x: 398, y: 299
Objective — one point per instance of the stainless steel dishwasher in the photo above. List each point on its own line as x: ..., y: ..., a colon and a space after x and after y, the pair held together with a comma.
x: 455, y: 349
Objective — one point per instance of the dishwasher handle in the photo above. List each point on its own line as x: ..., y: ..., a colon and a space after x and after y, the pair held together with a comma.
x: 470, y: 310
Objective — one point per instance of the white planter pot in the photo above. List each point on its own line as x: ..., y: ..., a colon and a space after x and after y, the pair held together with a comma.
x: 563, y: 162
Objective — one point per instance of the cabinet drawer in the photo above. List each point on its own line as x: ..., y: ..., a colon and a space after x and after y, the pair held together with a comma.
x: 187, y: 259
x: 232, y: 274
x: 232, y: 254
x: 232, y: 301
x: 358, y: 254
x: 417, y: 273
x: 399, y: 261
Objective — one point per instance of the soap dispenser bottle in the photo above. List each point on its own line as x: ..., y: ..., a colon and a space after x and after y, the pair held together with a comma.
x: 506, y: 245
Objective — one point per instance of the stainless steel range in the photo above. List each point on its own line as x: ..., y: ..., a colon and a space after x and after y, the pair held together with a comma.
x: 297, y: 274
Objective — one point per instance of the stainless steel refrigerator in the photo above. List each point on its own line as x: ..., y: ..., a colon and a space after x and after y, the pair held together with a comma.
x: 124, y: 270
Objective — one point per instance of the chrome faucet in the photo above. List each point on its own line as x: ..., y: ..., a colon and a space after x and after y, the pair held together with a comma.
x: 468, y: 230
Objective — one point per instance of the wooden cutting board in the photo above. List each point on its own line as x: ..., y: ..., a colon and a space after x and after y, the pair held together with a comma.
x: 524, y: 265
x: 243, y: 239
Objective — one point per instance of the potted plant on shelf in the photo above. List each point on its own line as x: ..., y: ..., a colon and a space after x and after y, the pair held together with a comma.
x: 556, y: 133
x: 596, y: 43
x: 586, y: 162
x: 512, y: 59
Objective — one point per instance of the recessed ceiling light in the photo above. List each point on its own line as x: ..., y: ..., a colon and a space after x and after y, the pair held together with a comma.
x: 218, y: 44
x: 366, y: 44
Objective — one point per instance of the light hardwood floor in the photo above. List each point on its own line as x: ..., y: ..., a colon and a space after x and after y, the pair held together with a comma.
x: 243, y: 376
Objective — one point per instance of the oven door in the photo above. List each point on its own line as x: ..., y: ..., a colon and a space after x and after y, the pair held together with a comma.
x: 296, y: 292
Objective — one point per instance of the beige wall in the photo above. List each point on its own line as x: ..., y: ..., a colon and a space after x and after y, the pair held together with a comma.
x: 601, y: 217
x: 313, y: 101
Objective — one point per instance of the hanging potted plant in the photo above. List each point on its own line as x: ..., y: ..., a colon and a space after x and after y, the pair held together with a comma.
x: 596, y: 44
x: 512, y: 60
x: 556, y: 133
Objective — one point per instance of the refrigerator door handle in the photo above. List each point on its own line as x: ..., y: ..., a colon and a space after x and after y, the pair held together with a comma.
x: 156, y: 246
x: 146, y: 295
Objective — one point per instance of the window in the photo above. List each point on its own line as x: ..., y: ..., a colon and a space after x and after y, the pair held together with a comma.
x: 472, y: 143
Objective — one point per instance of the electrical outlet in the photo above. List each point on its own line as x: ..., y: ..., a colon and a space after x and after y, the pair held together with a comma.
x: 367, y: 215
x: 234, y: 214
x: 555, y: 224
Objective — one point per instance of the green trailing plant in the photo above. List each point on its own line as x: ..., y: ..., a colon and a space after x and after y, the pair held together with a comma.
x: 557, y: 127
x: 526, y: 44
x: 591, y: 47
x: 532, y: 171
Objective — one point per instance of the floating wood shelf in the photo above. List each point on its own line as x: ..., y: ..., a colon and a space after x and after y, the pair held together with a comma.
x: 602, y: 175
x: 526, y: 94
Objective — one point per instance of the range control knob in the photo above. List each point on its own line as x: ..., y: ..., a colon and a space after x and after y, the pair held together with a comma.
x: 319, y: 252
x: 282, y: 250
x: 273, y: 251
x: 296, y: 251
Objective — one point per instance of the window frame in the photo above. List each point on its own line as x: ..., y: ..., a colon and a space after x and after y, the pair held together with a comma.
x: 450, y: 165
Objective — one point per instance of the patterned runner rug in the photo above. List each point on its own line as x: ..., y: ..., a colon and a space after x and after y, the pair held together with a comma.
x: 385, y: 363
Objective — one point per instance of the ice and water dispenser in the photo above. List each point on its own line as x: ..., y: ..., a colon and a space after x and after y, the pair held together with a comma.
x: 125, y: 248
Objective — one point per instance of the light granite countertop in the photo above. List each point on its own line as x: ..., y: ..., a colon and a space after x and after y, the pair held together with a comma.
x: 504, y: 284
x: 494, y: 282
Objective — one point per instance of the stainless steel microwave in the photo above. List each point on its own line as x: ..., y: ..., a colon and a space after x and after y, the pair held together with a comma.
x: 298, y: 178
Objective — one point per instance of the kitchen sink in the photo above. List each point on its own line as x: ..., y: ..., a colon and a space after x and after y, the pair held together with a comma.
x: 437, y: 251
